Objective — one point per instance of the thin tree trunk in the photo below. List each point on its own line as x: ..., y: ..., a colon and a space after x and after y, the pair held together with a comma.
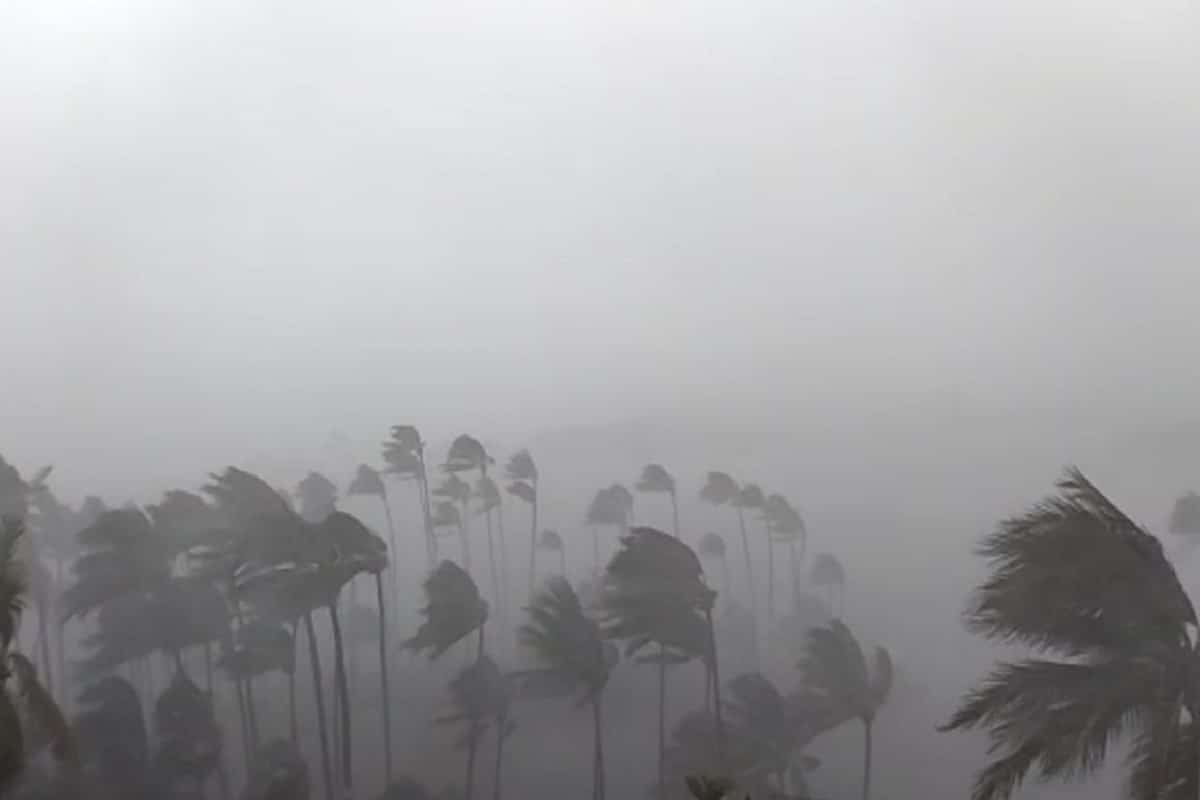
x: 393, y: 555
x: 495, y: 575
x: 750, y: 586
x: 385, y: 695
x: 498, y: 776
x: 726, y: 579
x: 314, y: 660
x: 866, y: 793
x: 44, y: 647
x: 464, y: 535
x: 595, y: 551
x: 252, y: 714
x: 504, y: 586
x: 716, y: 683
x: 795, y: 567
x: 662, y: 721
x: 533, y: 535
x: 243, y: 717
x: 675, y: 512
x: 598, y: 747
x: 60, y: 651
x: 472, y: 748
x: 293, y: 721
x: 339, y: 677
x: 770, y: 585
x: 431, y: 547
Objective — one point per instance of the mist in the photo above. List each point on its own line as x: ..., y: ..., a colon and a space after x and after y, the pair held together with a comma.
x: 899, y: 262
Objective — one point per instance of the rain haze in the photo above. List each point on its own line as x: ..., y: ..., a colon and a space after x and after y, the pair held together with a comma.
x: 900, y: 263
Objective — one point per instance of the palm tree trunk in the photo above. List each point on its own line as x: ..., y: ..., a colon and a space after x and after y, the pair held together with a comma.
x: 498, y: 776
x: 385, y: 695
x: 795, y: 567
x: 726, y: 579
x: 495, y: 575
x: 464, y: 537
x: 60, y: 652
x: 393, y: 582
x: 770, y: 585
x: 243, y: 717
x: 504, y: 593
x: 314, y: 660
x: 866, y: 792
x: 252, y: 714
x: 431, y: 547
x: 662, y: 721
x: 44, y: 646
x: 595, y: 551
x: 598, y: 748
x: 293, y: 721
x: 343, y: 690
x: 752, y: 591
x: 533, y: 533
x: 675, y: 512
x: 714, y: 664
x: 472, y: 749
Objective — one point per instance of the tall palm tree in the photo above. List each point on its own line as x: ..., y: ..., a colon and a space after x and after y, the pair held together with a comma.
x: 750, y: 499
x: 522, y: 474
x: 489, y: 500
x: 828, y: 573
x: 552, y: 542
x: 30, y: 720
x: 713, y: 546
x: 1092, y: 591
x: 1185, y: 516
x: 655, y: 479
x: 260, y: 647
x: 654, y: 592
x: 573, y: 659
x: 458, y: 492
x: 609, y: 507
x: 188, y: 737
x: 479, y: 696
x: 720, y: 490
x: 318, y: 497
x: 404, y: 454
x: 835, y: 668
x: 454, y: 610
x: 368, y: 482
x: 786, y: 526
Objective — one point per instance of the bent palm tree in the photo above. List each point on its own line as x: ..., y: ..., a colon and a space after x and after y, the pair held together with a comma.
x: 835, y: 669
x: 479, y: 694
x: 1077, y: 579
x: 656, y: 479
x: 574, y: 658
x: 404, y: 454
x: 522, y: 473
x: 456, y: 491
x: 720, y: 490
x: 713, y: 546
x: 785, y: 525
x: 610, y: 507
x: 750, y: 498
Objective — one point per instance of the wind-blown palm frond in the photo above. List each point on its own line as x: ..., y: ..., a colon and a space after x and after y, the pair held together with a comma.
x: 466, y: 453
x: 488, y: 493
x: 111, y: 733
x: 318, y: 497
x: 566, y: 642
x: 446, y: 515
x: 453, y: 610
x: 43, y: 722
x: 784, y: 521
x: 454, y: 489
x: 402, y: 452
x: 655, y: 478
x: 259, y: 647
x: 611, y: 506
x: 14, y: 492
x: 836, y: 667
x: 719, y: 489
x: 521, y: 467
x: 1075, y: 577
x: 750, y: 496
x: 652, y: 564
x: 523, y: 490
x: 13, y: 580
x: 243, y: 497
x: 189, y: 740
x: 123, y: 553
x: 367, y: 481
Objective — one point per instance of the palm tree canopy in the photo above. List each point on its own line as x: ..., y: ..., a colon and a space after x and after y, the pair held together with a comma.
x: 827, y: 571
x: 550, y: 540
x: 446, y: 515
x: 834, y: 667
x: 123, y: 553
x: 367, y: 481
x: 259, y: 647
x: 402, y: 452
x: 567, y: 643
x: 243, y: 497
x: 655, y: 478
x: 768, y: 729
x: 318, y: 497
x: 278, y: 772
x: 479, y: 692
x: 750, y: 496
x: 14, y: 492
x: 466, y: 453
x: 1075, y: 578
x: 712, y: 546
x: 13, y: 580
x: 783, y: 520
x: 523, y: 490
x: 189, y: 739
x: 1185, y: 515
x: 112, y: 737
x: 454, y: 489
x: 719, y: 488
x: 453, y: 610
x: 611, y: 506
x: 521, y: 467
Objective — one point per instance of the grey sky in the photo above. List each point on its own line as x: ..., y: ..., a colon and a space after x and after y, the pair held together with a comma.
x: 229, y: 222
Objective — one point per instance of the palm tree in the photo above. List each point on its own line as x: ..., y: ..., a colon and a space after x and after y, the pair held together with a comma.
x: 522, y: 474
x: 404, y: 454
x: 456, y: 491
x: 189, y: 739
x: 29, y: 718
x: 610, y: 507
x: 260, y: 647
x: 489, y: 500
x: 479, y: 695
x: 827, y: 572
x: 656, y: 479
x: 654, y: 592
x: 114, y: 745
x: 552, y: 542
x: 750, y: 498
x: 720, y: 490
x: 318, y: 497
x: 785, y: 525
x: 835, y: 669
x: 713, y: 546
x: 1185, y: 516
x: 454, y: 609
x: 573, y: 656
x: 1078, y: 580
x: 368, y: 482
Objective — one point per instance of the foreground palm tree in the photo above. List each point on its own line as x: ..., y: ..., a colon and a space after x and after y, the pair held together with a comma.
x: 575, y: 659
x: 655, y: 479
x: 1088, y: 588
x: 522, y: 473
x: 835, y: 668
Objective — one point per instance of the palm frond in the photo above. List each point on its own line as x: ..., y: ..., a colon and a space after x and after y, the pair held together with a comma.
x: 521, y: 467
x: 45, y: 724
x: 750, y: 496
x: 550, y: 540
x: 367, y: 481
x: 453, y: 610
x: 566, y: 642
x: 523, y: 490
x: 466, y: 453
x: 13, y: 580
x: 655, y: 478
x: 719, y: 489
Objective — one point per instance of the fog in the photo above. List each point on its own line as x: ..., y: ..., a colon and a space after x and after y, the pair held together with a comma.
x: 900, y: 261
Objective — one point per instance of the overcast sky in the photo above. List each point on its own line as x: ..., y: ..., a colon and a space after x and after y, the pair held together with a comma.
x: 228, y: 224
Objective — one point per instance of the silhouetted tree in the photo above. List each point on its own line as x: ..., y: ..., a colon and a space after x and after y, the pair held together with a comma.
x: 522, y: 474
x: 318, y: 497
x: 368, y: 482
x: 458, y: 492
x: 1185, y: 516
x: 713, y: 546
x: 610, y: 507
x: 786, y: 526
x: 827, y: 573
x: 479, y: 695
x: 836, y: 669
x: 574, y: 659
x: 720, y: 490
x: 1078, y: 580
x: 656, y: 479
x: 404, y: 454
x: 552, y: 542
x: 278, y: 772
